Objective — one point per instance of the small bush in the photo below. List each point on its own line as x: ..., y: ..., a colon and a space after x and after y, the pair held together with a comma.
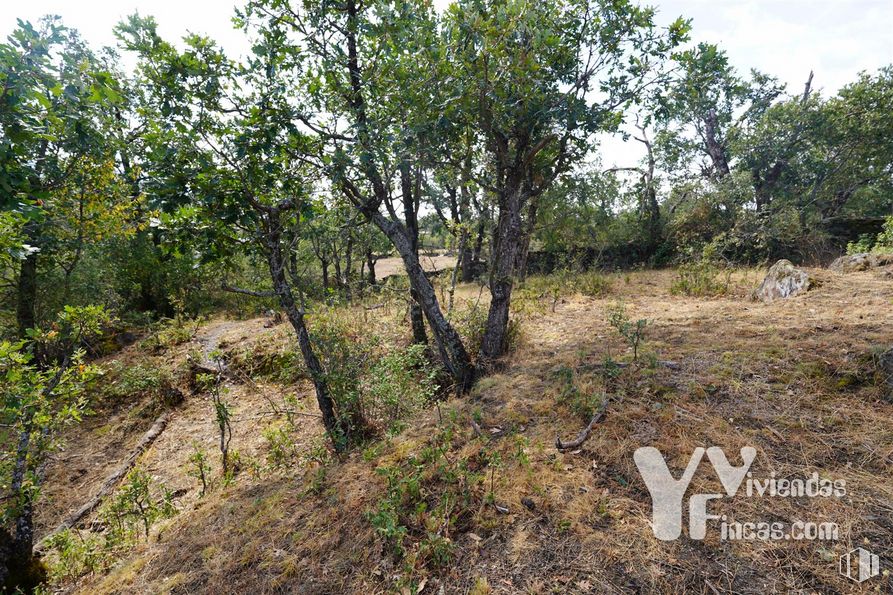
x: 863, y: 244
x: 884, y: 241
x: 632, y: 332
x: 592, y: 284
x: 701, y: 279
x: 199, y: 467
x: 171, y: 332
x: 581, y: 403
x: 134, y: 507
x: 471, y: 323
x: 73, y: 554
x: 400, y: 383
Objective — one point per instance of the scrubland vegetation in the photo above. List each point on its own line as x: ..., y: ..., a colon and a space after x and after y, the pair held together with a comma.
x: 363, y: 311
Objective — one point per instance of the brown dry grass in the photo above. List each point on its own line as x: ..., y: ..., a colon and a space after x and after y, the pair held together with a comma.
x: 787, y: 378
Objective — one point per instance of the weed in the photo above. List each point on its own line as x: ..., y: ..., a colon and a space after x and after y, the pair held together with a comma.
x: 199, y: 467
x: 701, y: 278
x: 592, y: 284
x: 134, y: 505
x: 632, y: 332
x: 581, y: 403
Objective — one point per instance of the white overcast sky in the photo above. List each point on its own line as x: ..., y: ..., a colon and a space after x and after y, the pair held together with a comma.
x: 785, y: 38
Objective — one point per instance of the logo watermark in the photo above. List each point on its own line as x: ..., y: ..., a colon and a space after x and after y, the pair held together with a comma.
x: 859, y: 565
x: 668, y: 494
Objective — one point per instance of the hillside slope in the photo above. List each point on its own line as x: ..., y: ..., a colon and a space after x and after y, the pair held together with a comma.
x: 473, y: 496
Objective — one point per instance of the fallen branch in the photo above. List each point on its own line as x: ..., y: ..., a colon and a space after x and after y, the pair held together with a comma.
x: 583, y: 436
x: 477, y: 429
x: 260, y: 294
x: 112, y: 480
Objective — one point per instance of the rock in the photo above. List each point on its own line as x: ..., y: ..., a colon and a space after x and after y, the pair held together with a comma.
x: 864, y: 261
x: 783, y: 280
x: 851, y: 263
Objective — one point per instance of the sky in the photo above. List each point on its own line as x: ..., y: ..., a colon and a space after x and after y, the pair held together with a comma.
x: 785, y: 38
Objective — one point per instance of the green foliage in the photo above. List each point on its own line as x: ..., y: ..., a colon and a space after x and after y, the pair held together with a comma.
x: 137, y: 379
x: 74, y: 553
x: 282, y: 451
x: 343, y: 355
x: 39, y: 395
x: 860, y: 246
x: 222, y: 419
x: 134, y: 508
x: 882, y: 244
x: 171, y: 332
x: 701, y: 278
x: 582, y: 403
x: 425, y: 499
x: 632, y: 332
x: 199, y: 467
x: 400, y: 382
x: 592, y: 284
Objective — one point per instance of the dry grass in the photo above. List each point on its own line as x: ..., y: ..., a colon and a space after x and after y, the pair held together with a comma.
x: 787, y: 378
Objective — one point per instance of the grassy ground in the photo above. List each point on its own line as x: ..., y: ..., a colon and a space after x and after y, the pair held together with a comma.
x: 443, y: 507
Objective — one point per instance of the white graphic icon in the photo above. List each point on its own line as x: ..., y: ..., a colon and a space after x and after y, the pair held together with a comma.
x: 859, y: 565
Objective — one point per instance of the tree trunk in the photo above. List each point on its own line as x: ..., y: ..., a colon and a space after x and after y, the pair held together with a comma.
x: 26, y: 298
x: 469, y: 273
x: 417, y: 319
x: 271, y: 240
x: 370, y: 268
x: 524, y: 248
x: 339, y: 280
x: 505, y: 258
x: 716, y: 151
x: 449, y: 344
x: 652, y: 209
x: 23, y: 534
x: 325, y: 274
x: 348, y: 268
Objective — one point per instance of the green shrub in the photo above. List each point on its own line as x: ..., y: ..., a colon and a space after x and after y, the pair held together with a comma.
x: 884, y: 242
x: 592, y: 284
x: 170, y: 332
x: 700, y: 279
x: 880, y: 244
x: 199, y: 467
x: 632, y: 332
x: 134, y: 507
x: 73, y: 554
x: 471, y: 323
x: 400, y: 383
x: 581, y: 403
x: 863, y: 244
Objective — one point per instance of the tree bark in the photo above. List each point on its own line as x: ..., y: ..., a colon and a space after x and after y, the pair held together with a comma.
x: 26, y: 298
x: 370, y: 268
x: 449, y: 343
x: 271, y: 239
x: 524, y: 248
x: 502, y: 271
x: 716, y: 150
x: 325, y: 274
x: 469, y: 273
x: 348, y: 267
